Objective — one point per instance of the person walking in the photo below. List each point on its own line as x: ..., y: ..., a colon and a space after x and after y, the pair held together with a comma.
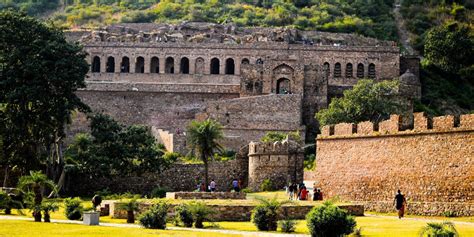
x: 235, y: 185
x: 291, y: 191
x: 212, y: 185
x: 400, y: 203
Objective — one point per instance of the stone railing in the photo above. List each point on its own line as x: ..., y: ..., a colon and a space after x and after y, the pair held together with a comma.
x: 206, y: 195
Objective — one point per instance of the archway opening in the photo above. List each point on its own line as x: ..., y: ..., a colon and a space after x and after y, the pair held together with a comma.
x: 360, y: 70
x: 372, y: 73
x: 337, y: 70
x: 155, y: 65
x: 215, y: 66
x: 349, y: 70
x: 110, y: 67
x: 229, y: 66
x: 169, y: 65
x: 184, y: 66
x: 140, y: 65
x: 125, y: 65
x: 95, y: 64
x: 327, y: 69
x: 283, y: 86
x: 245, y: 61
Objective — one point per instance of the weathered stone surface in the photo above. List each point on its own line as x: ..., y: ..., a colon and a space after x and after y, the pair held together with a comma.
x: 420, y: 122
x: 206, y: 195
x: 467, y: 121
x: 342, y: 129
x: 366, y: 127
x: 443, y: 122
x: 326, y: 131
x: 390, y: 126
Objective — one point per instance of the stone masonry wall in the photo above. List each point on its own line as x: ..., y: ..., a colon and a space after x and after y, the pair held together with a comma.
x: 434, y: 168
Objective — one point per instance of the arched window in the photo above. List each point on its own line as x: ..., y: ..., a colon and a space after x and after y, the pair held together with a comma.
x: 258, y: 87
x: 372, y: 73
x: 169, y: 65
x: 360, y: 70
x: 110, y: 67
x: 229, y: 66
x: 155, y: 65
x: 95, y: 64
x: 283, y: 86
x: 349, y: 70
x: 184, y: 66
x: 337, y: 70
x: 245, y: 61
x: 140, y: 65
x: 215, y: 66
x: 259, y: 61
x: 199, y: 66
x: 327, y: 68
x: 125, y: 65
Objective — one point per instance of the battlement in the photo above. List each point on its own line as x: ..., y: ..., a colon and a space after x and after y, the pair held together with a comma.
x: 420, y: 124
x: 274, y: 148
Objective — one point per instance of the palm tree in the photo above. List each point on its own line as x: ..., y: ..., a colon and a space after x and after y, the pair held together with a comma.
x: 36, y: 182
x: 131, y: 207
x: 435, y: 229
x: 202, y: 137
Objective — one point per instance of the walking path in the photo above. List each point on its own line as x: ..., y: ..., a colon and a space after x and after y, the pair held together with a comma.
x: 235, y: 232
x: 419, y: 219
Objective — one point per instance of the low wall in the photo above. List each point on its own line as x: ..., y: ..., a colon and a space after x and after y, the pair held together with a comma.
x: 431, y: 164
x: 206, y: 195
x: 244, y: 212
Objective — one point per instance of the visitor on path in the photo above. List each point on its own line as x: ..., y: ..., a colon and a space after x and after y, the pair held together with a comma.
x: 295, y: 191
x: 213, y: 185
x: 291, y: 191
x: 203, y: 187
x: 235, y: 185
x: 304, y: 193
x: 400, y: 203
x: 318, y: 195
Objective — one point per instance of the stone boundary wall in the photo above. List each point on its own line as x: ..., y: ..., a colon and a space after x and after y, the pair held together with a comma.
x: 164, y: 87
x: 244, y: 212
x: 162, y: 78
x: 432, y: 164
x: 206, y: 195
x: 164, y: 137
x: 178, y: 177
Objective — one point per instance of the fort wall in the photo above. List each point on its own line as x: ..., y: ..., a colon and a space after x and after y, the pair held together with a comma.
x: 432, y: 164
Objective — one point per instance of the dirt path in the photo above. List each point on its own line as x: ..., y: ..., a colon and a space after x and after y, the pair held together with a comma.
x: 402, y: 31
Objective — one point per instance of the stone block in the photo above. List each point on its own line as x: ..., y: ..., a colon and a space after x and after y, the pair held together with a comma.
x: 326, y: 130
x: 91, y: 218
x: 420, y: 122
x: 365, y: 128
x: 467, y: 121
x: 344, y: 129
x: 390, y: 126
x: 443, y: 122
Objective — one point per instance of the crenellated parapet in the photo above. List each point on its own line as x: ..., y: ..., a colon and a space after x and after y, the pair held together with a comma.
x: 274, y: 148
x: 392, y: 126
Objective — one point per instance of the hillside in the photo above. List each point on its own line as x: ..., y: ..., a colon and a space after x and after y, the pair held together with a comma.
x: 443, y: 92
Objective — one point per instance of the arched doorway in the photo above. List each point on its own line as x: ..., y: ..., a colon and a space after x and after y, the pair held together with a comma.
x: 283, y: 86
x: 125, y: 65
x: 184, y: 65
x: 155, y: 65
x: 169, y: 65
x: 215, y: 66
x: 110, y: 67
x: 95, y: 64
x: 140, y: 65
x: 229, y: 66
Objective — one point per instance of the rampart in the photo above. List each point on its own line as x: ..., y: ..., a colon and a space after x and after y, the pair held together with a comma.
x: 279, y: 162
x: 432, y: 164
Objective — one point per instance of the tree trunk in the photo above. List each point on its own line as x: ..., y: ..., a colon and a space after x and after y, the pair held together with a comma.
x: 8, y: 211
x: 47, y: 218
x: 206, y: 170
x: 5, y: 178
x: 130, y: 217
x: 37, y: 216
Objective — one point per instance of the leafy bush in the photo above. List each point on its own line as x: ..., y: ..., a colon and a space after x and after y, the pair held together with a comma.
x: 267, y: 185
x: 8, y: 203
x: 435, y: 229
x: 274, y: 137
x: 183, y: 215
x: 155, y: 217
x: 201, y: 212
x: 158, y: 192
x: 73, y: 208
x: 329, y: 220
x: 288, y: 226
x: 131, y: 207
x: 246, y: 190
x: 47, y: 208
x: 449, y: 214
x: 265, y: 215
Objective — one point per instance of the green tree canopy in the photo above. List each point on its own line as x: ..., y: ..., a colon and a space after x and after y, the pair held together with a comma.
x: 367, y: 100
x: 450, y: 47
x: 202, y: 138
x: 40, y: 71
x: 114, y: 149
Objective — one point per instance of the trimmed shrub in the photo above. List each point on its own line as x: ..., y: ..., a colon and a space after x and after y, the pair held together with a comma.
x: 158, y: 192
x: 265, y: 215
x: 183, y: 215
x: 73, y: 208
x: 288, y: 226
x: 155, y: 217
x: 266, y: 186
x: 329, y: 220
x: 201, y: 212
x: 435, y: 229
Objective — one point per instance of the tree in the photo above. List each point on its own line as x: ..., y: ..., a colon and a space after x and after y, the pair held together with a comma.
x: 265, y: 214
x: 202, y: 137
x: 450, y: 47
x: 36, y: 182
x: 40, y: 71
x: 368, y: 100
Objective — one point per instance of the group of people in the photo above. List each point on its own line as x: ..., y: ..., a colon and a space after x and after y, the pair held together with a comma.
x: 201, y: 186
x: 300, y: 192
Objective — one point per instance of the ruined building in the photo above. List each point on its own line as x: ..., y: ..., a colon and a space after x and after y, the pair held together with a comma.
x: 252, y: 80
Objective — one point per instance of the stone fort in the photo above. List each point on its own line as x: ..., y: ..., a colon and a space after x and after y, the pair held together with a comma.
x: 251, y: 80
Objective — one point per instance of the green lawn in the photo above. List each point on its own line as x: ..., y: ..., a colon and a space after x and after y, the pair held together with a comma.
x: 13, y: 228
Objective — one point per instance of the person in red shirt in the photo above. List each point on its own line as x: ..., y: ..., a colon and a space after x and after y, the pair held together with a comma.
x: 304, y: 193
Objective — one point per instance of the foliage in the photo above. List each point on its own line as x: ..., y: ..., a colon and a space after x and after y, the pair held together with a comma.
x: 7, y: 203
x: 246, y: 190
x: 202, y: 138
x: 107, y: 195
x: 40, y: 73
x: 267, y: 186
x: 158, y: 192
x: 450, y: 47
x: 131, y: 207
x: 265, y: 214
x: 435, y: 229
x: 73, y: 208
x: 288, y: 225
x: 171, y: 157
x: 47, y: 208
x: 329, y: 220
x: 449, y: 214
x: 200, y: 212
x: 184, y: 215
x: 274, y: 137
x: 310, y: 162
x: 112, y: 149
x: 36, y: 183
x: 155, y: 217
x: 367, y: 100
